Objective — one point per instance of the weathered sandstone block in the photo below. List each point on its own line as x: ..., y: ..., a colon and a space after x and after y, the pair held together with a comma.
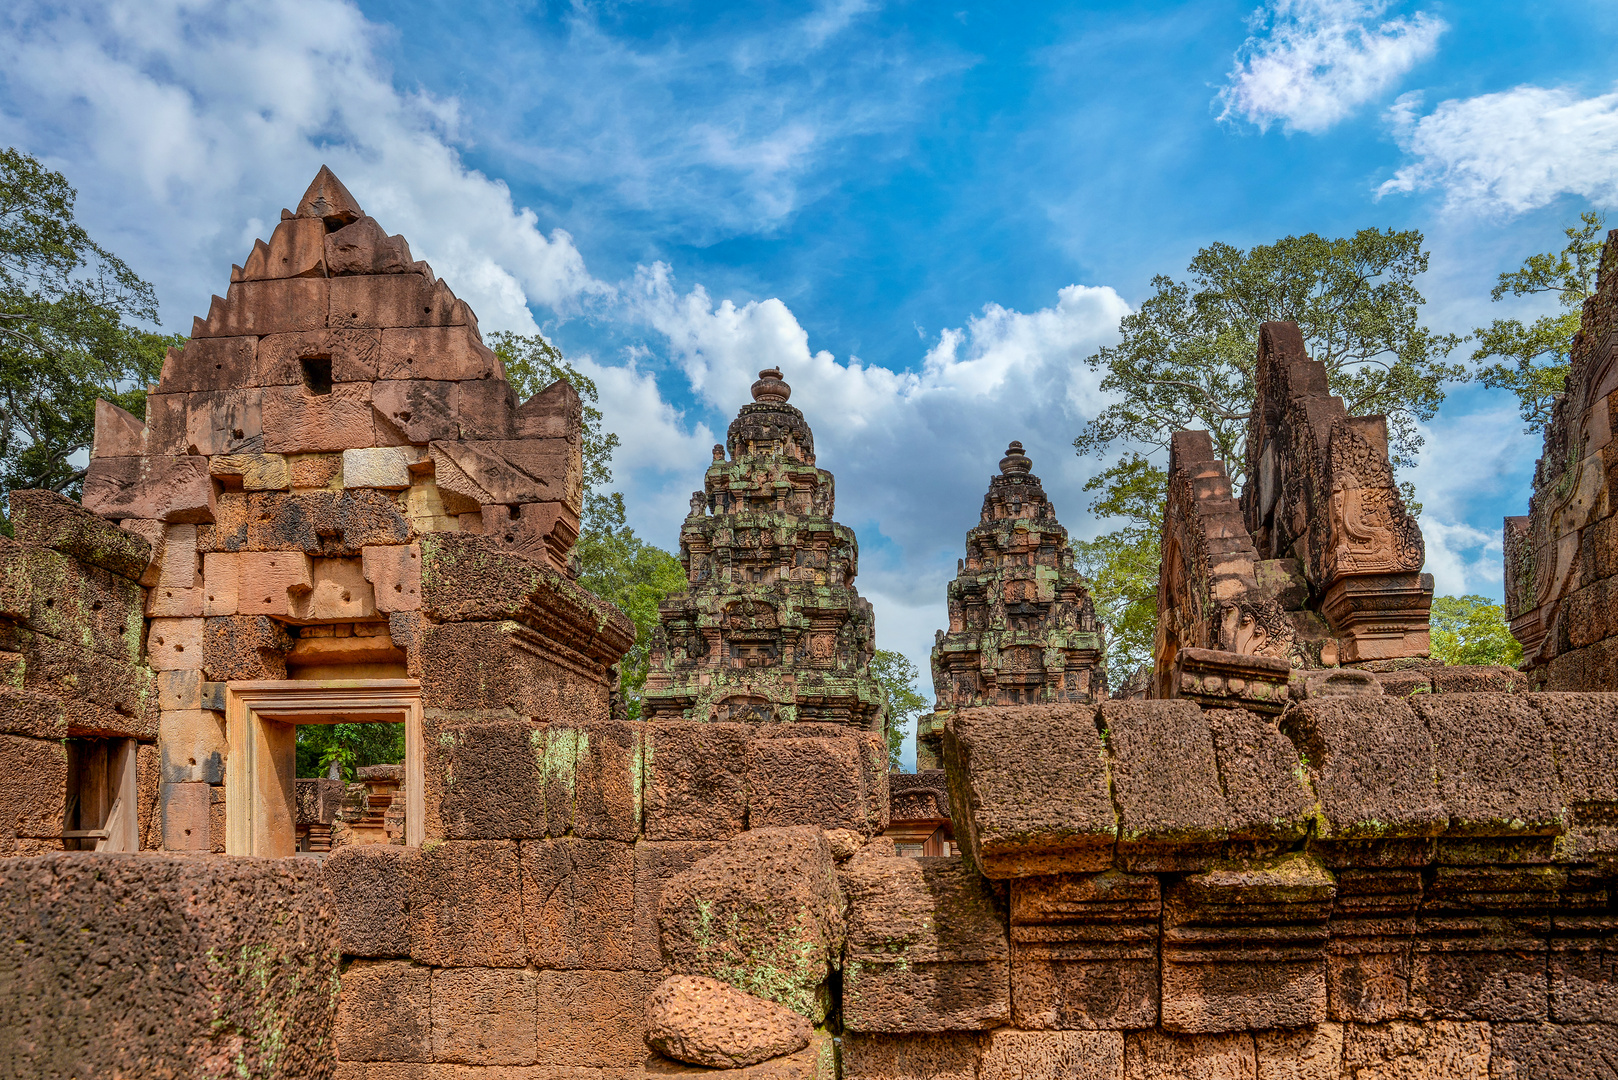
x: 159, y: 486
x: 695, y: 781
x: 1030, y: 786
x: 485, y: 1016
x: 656, y: 862
x: 33, y: 795
x: 579, y: 903
x: 764, y: 914
x: 707, y: 1022
x: 1371, y: 761
x: 241, y: 953
x: 1052, y: 1055
x: 384, y: 1012
x: 815, y: 781
x: 944, y: 1056
x: 256, y: 308
x: 298, y: 420
x: 352, y: 355
x: 926, y: 949
x: 464, y: 905
x: 593, y: 1019
x: 50, y: 520
x: 370, y: 884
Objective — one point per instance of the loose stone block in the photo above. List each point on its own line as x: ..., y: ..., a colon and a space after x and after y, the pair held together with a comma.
x: 386, y: 467
x: 926, y: 948
x: 186, y: 812
x: 363, y: 248
x: 511, y: 472
x: 118, y: 433
x: 384, y: 1012
x: 33, y: 795
x: 1031, y: 787
x: 394, y: 572
x: 298, y: 421
x: 162, y: 487
x: 695, y: 786
x: 192, y: 742
x: 944, y: 1056
x: 464, y: 905
x: 579, y: 903
x: 174, y: 644
x: 1052, y: 1055
x: 250, y: 472
x: 484, y: 1016
x: 707, y: 1022
x: 593, y: 1019
x: 775, y: 893
x: 370, y: 884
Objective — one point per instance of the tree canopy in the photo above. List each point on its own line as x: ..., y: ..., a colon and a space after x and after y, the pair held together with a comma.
x: 1472, y: 630
x: 1186, y: 359
x: 1531, y: 360
x: 71, y: 330
x: 898, y: 677
x: 614, y: 563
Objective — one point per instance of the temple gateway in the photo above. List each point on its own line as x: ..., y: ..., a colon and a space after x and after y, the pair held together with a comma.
x: 1295, y: 847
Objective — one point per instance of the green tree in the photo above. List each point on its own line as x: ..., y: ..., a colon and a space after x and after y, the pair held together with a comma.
x: 614, y: 563
x: 349, y: 746
x: 898, y: 677
x: 69, y: 333
x: 1185, y: 361
x: 1472, y: 630
x: 1122, y: 565
x: 1531, y: 361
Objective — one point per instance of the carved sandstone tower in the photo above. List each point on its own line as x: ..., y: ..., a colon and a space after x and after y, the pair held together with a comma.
x: 1022, y: 627
x: 771, y: 628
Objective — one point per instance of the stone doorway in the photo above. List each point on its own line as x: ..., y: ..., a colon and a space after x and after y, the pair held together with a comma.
x: 261, y: 719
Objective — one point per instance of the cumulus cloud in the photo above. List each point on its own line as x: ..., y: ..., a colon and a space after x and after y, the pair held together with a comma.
x: 176, y: 117
x: 1512, y: 151
x: 1311, y: 63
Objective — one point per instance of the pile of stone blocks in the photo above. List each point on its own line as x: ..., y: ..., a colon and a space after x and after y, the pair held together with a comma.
x: 1561, y: 560
x: 72, y: 667
x: 1371, y: 887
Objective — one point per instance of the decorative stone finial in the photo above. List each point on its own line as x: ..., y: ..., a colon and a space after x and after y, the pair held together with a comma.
x: 1015, y: 463
x: 770, y: 387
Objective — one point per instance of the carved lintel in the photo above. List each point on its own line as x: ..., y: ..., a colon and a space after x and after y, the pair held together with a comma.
x: 1212, y: 677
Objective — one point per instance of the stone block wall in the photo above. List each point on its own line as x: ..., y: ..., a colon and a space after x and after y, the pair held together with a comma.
x: 166, y: 967
x: 72, y: 667
x: 1366, y: 887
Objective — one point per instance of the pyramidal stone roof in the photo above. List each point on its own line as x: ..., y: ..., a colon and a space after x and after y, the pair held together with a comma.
x: 771, y: 627
x: 1022, y: 626
x: 336, y: 360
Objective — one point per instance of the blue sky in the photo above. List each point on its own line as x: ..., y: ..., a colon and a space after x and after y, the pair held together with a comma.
x: 928, y: 215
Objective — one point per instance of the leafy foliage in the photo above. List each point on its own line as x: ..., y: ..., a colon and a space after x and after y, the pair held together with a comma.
x: 1472, y: 630
x: 898, y: 677
x: 614, y: 563
x: 351, y: 746
x: 1186, y: 362
x: 67, y: 309
x: 1122, y: 566
x: 1531, y: 361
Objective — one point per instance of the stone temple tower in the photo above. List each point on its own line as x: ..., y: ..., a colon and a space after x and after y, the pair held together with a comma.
x: 771, y: 628
x: 1022, y: 627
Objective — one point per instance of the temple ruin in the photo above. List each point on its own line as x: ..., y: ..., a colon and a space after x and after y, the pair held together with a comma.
x: 1309, y: 852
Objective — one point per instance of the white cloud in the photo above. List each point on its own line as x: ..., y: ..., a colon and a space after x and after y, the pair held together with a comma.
x: 1462, y: 558
x: 1511, y: 151
x: 1310, y: 63
x: 185, y: 124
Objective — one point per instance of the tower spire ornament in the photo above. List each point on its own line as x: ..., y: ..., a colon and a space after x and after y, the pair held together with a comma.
x: 771, y: 628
